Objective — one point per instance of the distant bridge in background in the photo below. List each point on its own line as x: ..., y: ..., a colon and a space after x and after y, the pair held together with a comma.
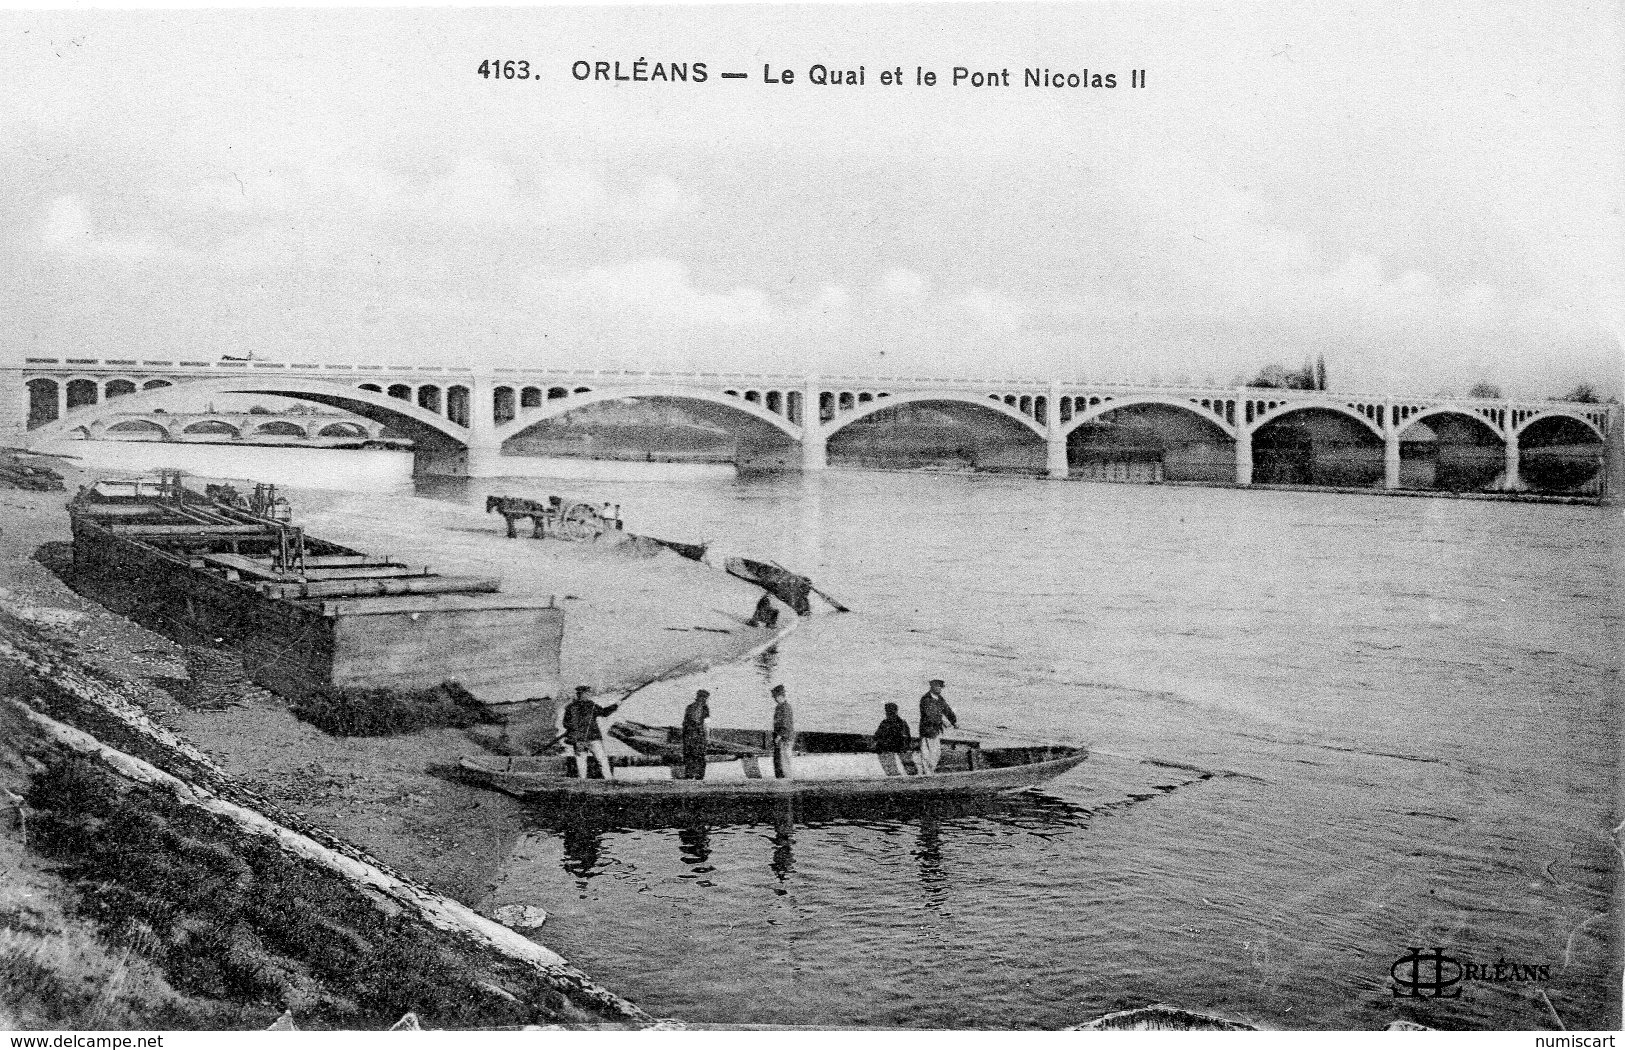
x: 319, y: 429
x: 458, y: 419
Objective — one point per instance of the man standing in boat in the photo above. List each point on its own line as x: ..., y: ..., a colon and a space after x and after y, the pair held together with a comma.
x: 784, y: 734
x: 583, y: 733
x: 892, y: 742
x: 934, y: 710
x: 694, y: 736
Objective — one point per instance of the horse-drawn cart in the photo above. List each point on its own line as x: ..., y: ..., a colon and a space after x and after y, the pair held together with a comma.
x: 559, y: 517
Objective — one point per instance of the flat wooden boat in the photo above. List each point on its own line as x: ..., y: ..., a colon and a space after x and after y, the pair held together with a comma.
x: 994, y: 771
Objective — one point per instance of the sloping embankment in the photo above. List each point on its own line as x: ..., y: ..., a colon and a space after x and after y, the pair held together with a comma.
x: 238, y: 902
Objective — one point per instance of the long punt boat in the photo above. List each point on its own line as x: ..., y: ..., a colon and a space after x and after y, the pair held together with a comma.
x: 748, y: 776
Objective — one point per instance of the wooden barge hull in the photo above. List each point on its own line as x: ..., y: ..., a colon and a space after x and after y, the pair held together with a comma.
x: 379, y: 630
x: 745, y: 778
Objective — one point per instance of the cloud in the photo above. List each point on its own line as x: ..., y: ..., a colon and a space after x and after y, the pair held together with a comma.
x: 660, y: 289
x: 902, y: 284
x: 69, y: 229
x: 991, y: 309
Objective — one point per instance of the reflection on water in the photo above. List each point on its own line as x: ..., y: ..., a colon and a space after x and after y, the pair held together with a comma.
x: 928, y: 854
x: 583, y: 850
x: 588, y: 836
x: 784, y: 852
x: 588, y: 839
x: 696, y: 849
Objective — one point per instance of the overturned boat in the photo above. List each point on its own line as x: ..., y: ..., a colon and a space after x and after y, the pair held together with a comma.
x: 988, y: 771
x: 788, y: 587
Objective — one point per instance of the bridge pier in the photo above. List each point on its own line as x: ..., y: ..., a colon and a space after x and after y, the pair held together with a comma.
x: 484, y: 456
x: 1056, y: 466
x: 1390, y: 459
x: 483, y: 461
x: 814, y: 439
x: 1244, y: 454
x: 1511, y: 482
x: 814, y: 446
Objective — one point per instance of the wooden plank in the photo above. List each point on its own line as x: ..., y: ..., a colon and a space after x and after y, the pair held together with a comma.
x: 322, y: 561
x: 478, y: 647
x: 367, y: 588
x: 189, y: 530
x: 429, y: 603
x: 367, y: 572
x: 117, y: 510
x: 247, y: 566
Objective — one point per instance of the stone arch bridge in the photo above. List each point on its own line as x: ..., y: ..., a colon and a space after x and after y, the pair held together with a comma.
x: 458, y: 419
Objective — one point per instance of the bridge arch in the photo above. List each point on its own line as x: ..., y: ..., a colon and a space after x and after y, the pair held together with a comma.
x: 559, y: 406
x: 1281, y: 411
x: 864, y: 410
x: 1453, y: 412
x: 342, y: 429
x: 280, y: 428
x: 1564, y: 413
x: 1095, y: 412
x: 212, y: 425
x: 371, y: 404
x: 151, y: 429
x: 83, y: 391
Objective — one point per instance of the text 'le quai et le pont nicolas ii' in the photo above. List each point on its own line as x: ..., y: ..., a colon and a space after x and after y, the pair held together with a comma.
x: 645, y: 71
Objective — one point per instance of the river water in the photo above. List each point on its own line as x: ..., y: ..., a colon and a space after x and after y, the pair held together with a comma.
x: 1327, y: 729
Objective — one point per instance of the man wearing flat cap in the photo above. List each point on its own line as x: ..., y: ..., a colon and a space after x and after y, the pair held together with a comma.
x: 784, y: 734
x: 934, y: 711
x: 582, y: 732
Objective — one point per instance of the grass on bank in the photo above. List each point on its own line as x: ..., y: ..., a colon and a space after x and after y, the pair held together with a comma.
x: 233, y: 919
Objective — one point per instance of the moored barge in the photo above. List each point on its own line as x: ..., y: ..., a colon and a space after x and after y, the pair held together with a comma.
x: 304, y: 613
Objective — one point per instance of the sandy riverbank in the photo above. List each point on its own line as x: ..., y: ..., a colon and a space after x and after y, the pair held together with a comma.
x: 630, y: 617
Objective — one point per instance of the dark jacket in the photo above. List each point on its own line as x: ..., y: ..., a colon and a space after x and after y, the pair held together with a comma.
x: 933, y: 710
x: 892, y: 736
x: 581, y: 720
x: 784, y: 722
x: 694, y: 716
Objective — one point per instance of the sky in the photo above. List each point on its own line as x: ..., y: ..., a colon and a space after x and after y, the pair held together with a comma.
x: 1426, y: 194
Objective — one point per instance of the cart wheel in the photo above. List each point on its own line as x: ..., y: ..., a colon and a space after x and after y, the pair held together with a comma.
x: 580, y: 522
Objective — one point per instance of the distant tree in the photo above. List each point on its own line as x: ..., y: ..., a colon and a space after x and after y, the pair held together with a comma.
x: 1279, y: 377
x: 1485, y: 390
x: 1584, y: 393
x: 1320, y: 371
x: 259, y: 410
